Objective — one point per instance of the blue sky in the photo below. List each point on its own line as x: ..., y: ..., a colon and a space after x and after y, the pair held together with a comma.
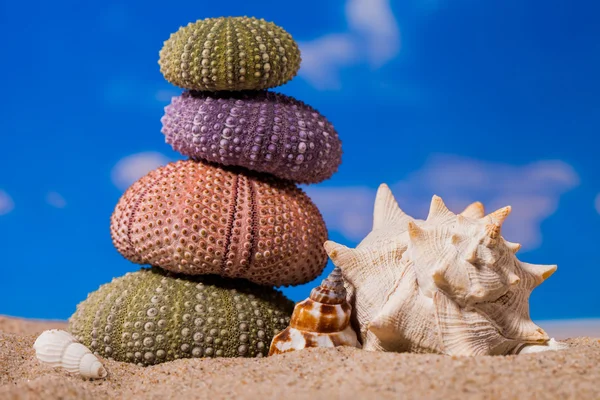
x: 491, y: 101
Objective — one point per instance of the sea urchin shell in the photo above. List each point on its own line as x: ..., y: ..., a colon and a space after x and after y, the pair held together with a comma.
x: 196, y: 218
x: 233, y: 53
x: 262, y: 131
x: 152, y: 316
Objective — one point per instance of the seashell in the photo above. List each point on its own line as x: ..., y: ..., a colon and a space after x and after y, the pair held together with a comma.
x: 152, y: 316
x: 538, y: 348
x: 197, y: 218
x: 231, y: 53
x: 322, y: 320
x: 262, y: 131
x: 60, y: 349
x: 449, y: 284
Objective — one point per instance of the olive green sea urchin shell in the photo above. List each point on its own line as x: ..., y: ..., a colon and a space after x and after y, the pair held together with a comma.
x: 152, y: 316
x: 199, y: 218
x: 232, y: 53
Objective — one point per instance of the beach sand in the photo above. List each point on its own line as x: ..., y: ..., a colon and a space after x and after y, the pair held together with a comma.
x: 308, y: 374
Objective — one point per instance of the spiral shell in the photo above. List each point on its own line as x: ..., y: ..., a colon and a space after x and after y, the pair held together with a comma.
x: 196, y: 218
x: 152, y: 316
x: 262, y: 131
x: 229, y: 53
x: 322, y: 320
x: 60, y: 349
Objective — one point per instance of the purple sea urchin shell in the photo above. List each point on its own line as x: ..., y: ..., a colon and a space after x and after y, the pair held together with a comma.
x: 262, y: 131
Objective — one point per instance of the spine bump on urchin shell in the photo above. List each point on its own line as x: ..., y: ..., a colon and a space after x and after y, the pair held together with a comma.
x: 199, y: 218
x: 262, y: 131
x: 229, y: 53
x: 152, y: 316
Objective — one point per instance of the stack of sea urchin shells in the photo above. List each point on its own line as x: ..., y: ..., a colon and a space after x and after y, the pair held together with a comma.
x: 223, y: 227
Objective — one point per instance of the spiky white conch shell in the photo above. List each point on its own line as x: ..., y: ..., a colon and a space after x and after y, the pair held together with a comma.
x: 58, y: 348
x: 322, y: 320
x: 449, y: 284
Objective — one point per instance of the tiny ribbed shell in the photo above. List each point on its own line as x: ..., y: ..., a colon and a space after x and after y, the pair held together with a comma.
x: 229, y: 53
x: 152, y: 316
x: 197, y: 218
x: 60, y: 349
x: 51, y: 344
x: 331, y: 290
x: 322, y: 320
x: 262, y: 131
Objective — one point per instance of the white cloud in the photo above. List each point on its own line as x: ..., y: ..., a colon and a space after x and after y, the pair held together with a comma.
x: 6, y: 203
x: 56, y: 200
x: 131, y: 168
x: 533, y: 190
x: 322, y: 58
x: 348, y: 210
x: 373, y: 32
x: 597, y: 203
x: 375, y: 21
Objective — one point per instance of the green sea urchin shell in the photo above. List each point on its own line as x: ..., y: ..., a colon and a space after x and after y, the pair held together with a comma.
x: 232, y: 53
x: 152, y: 316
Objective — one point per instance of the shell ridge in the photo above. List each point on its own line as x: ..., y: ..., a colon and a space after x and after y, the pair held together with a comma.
x: 134, y: 210
x: 448, y: 316
x: 253, y: 208
x: 229, y: 229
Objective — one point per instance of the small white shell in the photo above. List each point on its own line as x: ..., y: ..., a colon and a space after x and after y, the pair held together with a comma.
x: 60, y: 349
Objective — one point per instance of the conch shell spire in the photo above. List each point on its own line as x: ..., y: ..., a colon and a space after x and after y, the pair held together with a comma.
x: 514, y: 247
x: 322, y: 320
x: 541, y: 272
x: 493, y: 230
x: 414, y: 232
x: 474, y: 210
x: 386, y: 211
x: 339, y: 253
x: 331, y: 290
x: 438, y: 209
x: 499, y: 215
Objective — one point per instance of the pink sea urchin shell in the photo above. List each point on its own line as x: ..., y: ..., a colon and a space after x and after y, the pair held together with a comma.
x: 262, y: 131
x: 197, y: 218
